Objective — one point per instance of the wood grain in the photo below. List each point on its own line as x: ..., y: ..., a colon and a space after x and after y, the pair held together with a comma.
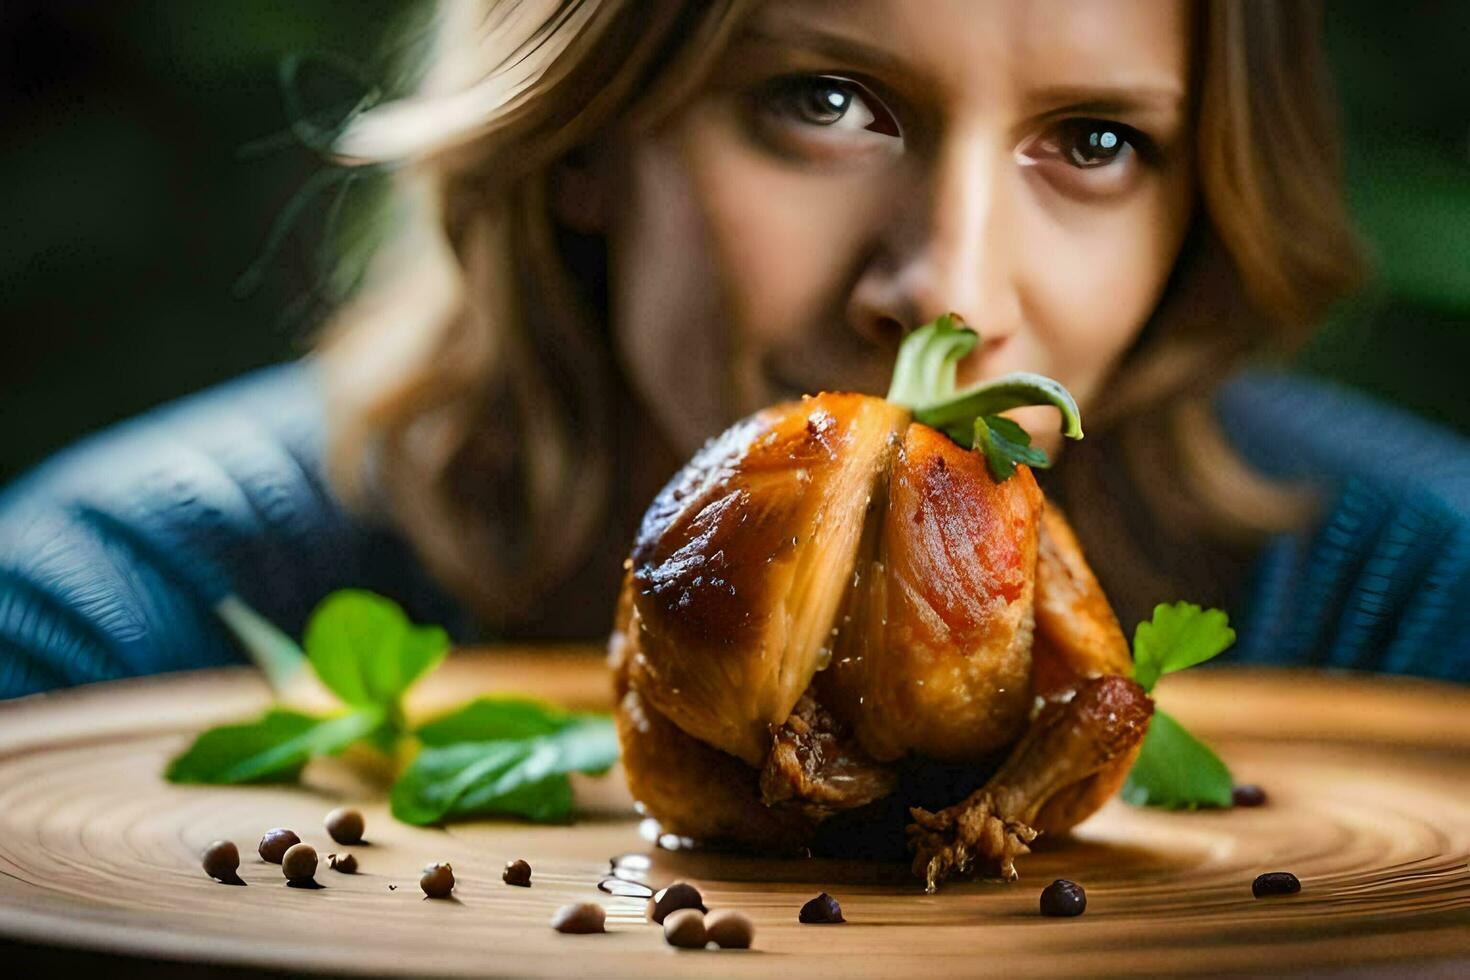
x: 1369, y: 782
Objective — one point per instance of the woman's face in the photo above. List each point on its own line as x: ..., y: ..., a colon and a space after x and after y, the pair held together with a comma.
x: 854, y: 168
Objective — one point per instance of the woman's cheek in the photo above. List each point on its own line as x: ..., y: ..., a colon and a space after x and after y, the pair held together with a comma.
x: 1091, y: 284
x: 782, y: 242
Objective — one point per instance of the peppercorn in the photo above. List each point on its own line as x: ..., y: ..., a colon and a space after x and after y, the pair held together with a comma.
x: 344, y: 863
x: 685, y: 928
x: 222, y: 862
x: 345, y: 826
x: 517, y: 872
x: 729, y: 929
x: 1247, y: 795
x: 437, y: 880
x: 1275, y: 883
x: 299, y: 863
x: 584, y: 917
x: 1063, y: 899
x: 679, y: 895
x: 275, y: 843
x: 822, y: 910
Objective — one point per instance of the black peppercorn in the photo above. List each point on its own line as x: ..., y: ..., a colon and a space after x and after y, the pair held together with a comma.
x: 1275, y: 883
x: 1247, y: 795
x: 344, y: 863
x: 222, y: 862
x: 517, y: 872
x: 275, y: 843
x: 437, y: 880
x: 679, y: 895
x: 822, y: 910
x: 1063, y: 899
x: 298, y: 864
x: 345, y: 826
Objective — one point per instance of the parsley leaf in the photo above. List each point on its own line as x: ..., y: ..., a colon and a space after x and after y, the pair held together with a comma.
x: 273, y: 748
x: 924, y: 381
x: 365, y: 649
x: 1179, y: 636
x: 490, y: 719
x: 492, y: 755
x: 1176, y: 771
x: 1005, y: 444
x: 523, y: 777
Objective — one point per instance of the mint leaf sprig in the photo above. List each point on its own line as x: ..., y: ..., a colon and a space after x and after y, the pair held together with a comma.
x: 492, y: 755
x: 924, y: 381
x: 1175, y: 770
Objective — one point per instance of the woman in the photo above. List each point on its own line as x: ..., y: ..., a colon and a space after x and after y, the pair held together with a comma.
x: 632, y: 223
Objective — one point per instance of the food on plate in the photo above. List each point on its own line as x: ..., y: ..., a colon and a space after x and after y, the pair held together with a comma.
x: 274, y: 844
x: 221, y: 861
x: 851, y: 605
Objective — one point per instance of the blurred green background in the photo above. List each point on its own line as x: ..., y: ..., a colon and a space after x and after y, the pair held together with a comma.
x: 147, y: 157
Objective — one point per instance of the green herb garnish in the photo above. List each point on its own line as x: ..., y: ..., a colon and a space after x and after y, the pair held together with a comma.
x: 508, y: 756
x: 1174, y: 769
x: 924, y: 382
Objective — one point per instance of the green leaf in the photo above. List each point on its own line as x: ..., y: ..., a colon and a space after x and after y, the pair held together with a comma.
x: 272, y: 748
x: 927, y: 362
x: 1179, y: 636
x: 924, y: 381
x: 1015, y: 390
x: 1005, y: 444
x: 365, y: 649
x: 489, y: 719
x: 523, y: 777
x: 1176, y: 771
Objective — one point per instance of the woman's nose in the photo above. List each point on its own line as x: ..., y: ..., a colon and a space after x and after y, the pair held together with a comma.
x: 945, y: 247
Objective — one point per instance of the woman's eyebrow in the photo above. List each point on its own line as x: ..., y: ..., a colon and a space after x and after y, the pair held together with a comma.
x: 817, y: 41
x: 1109, y: 98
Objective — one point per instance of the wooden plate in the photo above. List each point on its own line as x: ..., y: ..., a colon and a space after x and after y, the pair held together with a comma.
x: 1369, y: 783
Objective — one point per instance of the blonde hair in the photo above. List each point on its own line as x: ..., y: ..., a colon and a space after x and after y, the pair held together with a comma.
x: 471, y: 389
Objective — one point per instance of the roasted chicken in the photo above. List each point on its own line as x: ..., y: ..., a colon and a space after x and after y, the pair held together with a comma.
x: 832, y: 593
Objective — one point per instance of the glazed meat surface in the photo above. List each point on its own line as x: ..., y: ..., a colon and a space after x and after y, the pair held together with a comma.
x: 830, y: 591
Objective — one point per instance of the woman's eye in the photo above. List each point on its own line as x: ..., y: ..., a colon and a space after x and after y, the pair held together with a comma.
x: 827, y: 102
x: 1088, y: 143
x: 1090, y: 159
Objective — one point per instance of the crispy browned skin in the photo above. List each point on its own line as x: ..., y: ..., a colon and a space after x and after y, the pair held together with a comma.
x: 834, y: 540
x: 742, y: 562
x: 692, y: 789
x: 1077, y: 637
x: 1077, y: 634
x: 1068, y: 743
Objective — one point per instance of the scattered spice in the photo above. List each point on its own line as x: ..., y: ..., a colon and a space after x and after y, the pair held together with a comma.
x: 344, y: 825
x: 584, y: 917
x: 392, y: 888
x: 1063, y: 899
x: 679, y: 895
x: 1275, y: 883
x: 221, y: 862
x: 437, y: 880
x: 275, y: 843
x: 517, y: 872
x: 822, y: 910
x: 344, y: 863
x: 685, y: 928
x: 1247, y: 794
x: 298, y: 864
x: 729, y: 929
